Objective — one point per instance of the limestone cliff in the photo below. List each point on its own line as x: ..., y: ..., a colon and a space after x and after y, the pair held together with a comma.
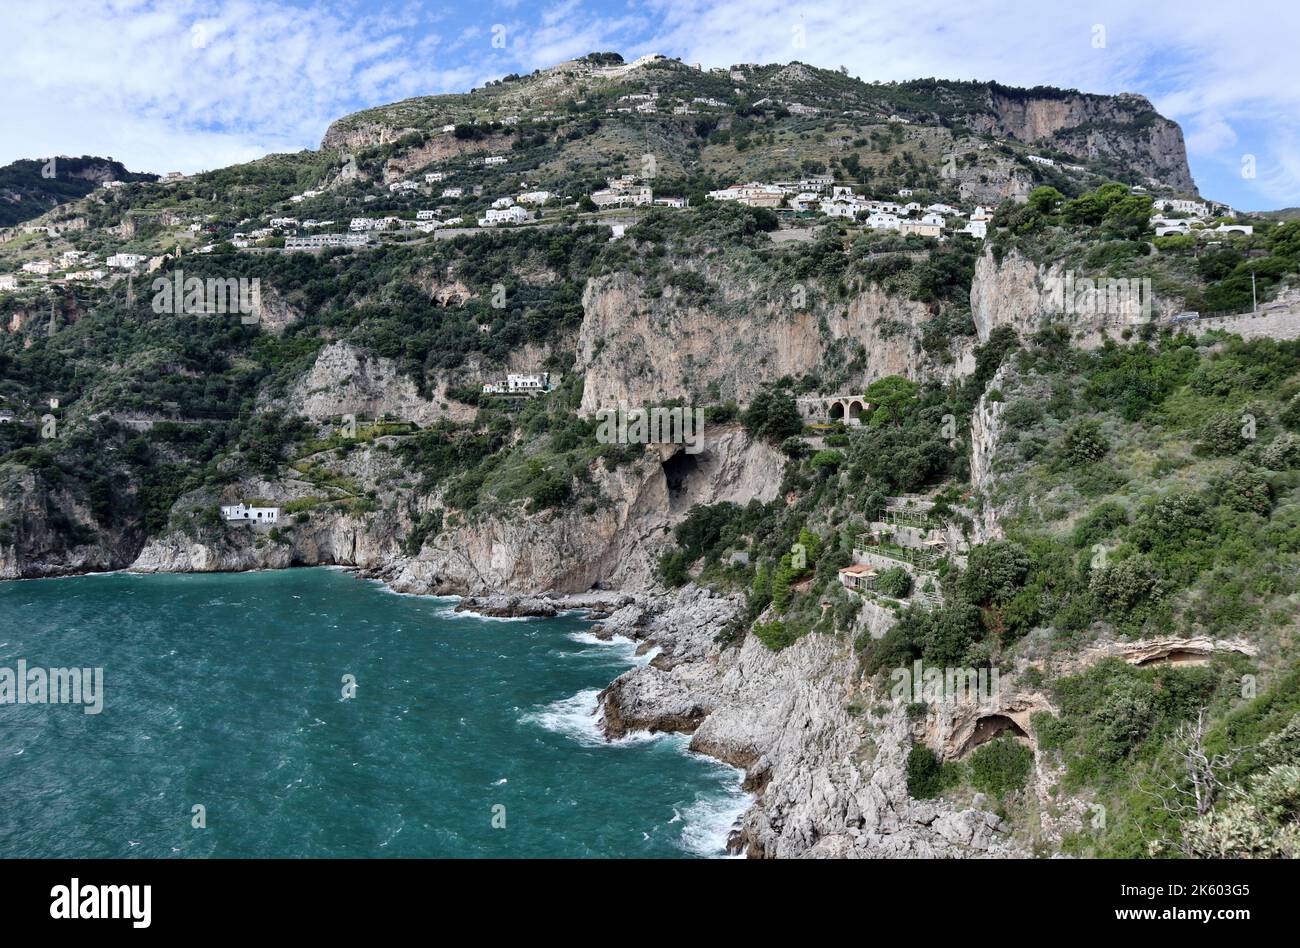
x: 1123, y: 127
x: 829, y: 774
x: 636, y: 347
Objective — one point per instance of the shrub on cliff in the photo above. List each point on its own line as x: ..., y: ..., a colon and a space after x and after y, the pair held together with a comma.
x: 926, y: 776
x: 896, y: 582
x: 1001, y: 766
x: 776, y: 635
x: 772, y: 416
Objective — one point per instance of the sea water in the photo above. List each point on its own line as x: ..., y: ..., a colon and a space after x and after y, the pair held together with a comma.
x: 309, y: 712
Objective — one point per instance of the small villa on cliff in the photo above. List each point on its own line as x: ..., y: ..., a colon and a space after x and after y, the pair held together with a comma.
x: 858, y: 576
x: 245, y: 513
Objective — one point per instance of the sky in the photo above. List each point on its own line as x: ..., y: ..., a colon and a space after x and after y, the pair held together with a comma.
x: 187, y: 85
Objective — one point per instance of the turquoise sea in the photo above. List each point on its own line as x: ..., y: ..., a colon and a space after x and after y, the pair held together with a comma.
x: 225, y: 691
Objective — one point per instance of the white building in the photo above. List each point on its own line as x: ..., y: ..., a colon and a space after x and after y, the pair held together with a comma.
x: 803, y: 201
x: 520, y: 385
x: 978, y: 225
x: 41, y: 267
x: 284, y: 222
x: 534, y: 197
x: 317, y: 241
x: 125, y: 261
x: 8, y: 281
x: 433, y: 177
x: 905, y: 192
x: 452, y: 192
x: 403, y: 186
x: 623, y: 197
x: 73, y: 256
x: 87, y: 275
x: 425, y: 215
x: 752, y: 194
x: 884, y: 222
x: 495, y: 160
x: 1039, y: 160
x: 506, y: 215
x: 114, y: 185
x: 245, y: 513
x: 503, y: 202
x: 845, y: 209
x: 919, y: 228
x: 1180, y: 206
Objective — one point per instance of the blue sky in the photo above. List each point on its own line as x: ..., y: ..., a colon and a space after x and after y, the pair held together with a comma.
x: 182, y: 85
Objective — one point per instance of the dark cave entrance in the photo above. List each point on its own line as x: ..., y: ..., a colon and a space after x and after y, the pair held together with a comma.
x: 989, y: 727
x: 678, y: 469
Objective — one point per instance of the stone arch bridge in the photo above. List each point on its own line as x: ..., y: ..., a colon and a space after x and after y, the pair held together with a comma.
x: 827, y: 409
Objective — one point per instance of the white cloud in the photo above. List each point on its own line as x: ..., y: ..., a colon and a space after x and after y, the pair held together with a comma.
x: 183, y: 85
x: 1210, y: 68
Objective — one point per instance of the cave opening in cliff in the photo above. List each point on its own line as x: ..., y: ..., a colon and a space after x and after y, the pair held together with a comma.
x: 678, y: 469
x: 989, y: 727
x: 1176, y: 657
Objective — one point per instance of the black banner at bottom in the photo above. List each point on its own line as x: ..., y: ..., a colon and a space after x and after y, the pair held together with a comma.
x: 351, y: 897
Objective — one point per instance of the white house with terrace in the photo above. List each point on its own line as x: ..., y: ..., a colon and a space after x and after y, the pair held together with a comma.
x: 521, y: 384
x: 246, y: 513
x: 505, y: 215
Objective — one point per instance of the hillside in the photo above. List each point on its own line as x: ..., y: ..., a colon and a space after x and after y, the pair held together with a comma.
x: 29, y: 188
x: 958, y: 405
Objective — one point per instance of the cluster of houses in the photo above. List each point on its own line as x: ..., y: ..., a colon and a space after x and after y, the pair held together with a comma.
x: 535, y: 384
x: 74, y: 266
x: 819, y: 194
x: 1194, y: 218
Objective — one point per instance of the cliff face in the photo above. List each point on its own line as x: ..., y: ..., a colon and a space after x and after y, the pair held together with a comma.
x: 614, y: 547
x: 347, y: 380
x: 1124, y: 127
x: 830, y: 777
x: 638, y: 349
x: 1018, y: 293
x: 563, y: 551
x: 47, y: 532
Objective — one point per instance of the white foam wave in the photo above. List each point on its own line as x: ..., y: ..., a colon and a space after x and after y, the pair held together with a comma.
x: 708, y: 821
